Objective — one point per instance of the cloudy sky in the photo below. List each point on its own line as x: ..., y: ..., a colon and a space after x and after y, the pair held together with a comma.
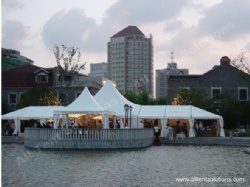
x: 200, y: 32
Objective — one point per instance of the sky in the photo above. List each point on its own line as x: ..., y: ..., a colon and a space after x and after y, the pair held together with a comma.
x: 199, y: 32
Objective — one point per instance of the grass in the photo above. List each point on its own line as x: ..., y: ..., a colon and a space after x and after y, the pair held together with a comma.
x: 246, y: 135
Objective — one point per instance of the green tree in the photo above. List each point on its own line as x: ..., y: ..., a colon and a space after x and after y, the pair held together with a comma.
x: 4, y: 108
x: 68, y: 62
x: 142, y: 98
x: 161, y: 100
x: 193, y: 97
x: 39, y: 96
x: 241, y: 63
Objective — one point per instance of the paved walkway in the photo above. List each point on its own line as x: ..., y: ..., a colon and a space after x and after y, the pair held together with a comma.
x: 12, y: 139
x: 234, y: 141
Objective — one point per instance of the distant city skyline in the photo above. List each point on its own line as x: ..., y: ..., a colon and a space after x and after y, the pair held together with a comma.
x: 199, y: 32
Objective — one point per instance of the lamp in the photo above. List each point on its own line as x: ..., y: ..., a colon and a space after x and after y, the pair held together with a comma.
x: 130, y: 109
x: 126, y: 108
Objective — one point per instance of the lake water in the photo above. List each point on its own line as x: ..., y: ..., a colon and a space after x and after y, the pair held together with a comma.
x: 153, y: 166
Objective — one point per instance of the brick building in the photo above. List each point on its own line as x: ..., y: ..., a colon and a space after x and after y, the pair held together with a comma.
x: 16, y: 81
x: 223, y: 78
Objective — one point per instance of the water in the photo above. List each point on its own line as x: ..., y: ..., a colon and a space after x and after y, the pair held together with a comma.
x: 153, y: 166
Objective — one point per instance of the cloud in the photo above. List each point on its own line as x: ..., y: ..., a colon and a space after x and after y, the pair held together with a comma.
x: 70, y: 28
x: 226, y: 20
x: 13, y: 33
x: 12, y: 4
x: 144, y: 11
x: 129, y: 12
x: 173, y: 25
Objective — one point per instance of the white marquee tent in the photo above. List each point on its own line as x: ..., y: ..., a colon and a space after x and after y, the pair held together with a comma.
x: 111, y: 99
x: 84, y: 104
x: 32, y: 112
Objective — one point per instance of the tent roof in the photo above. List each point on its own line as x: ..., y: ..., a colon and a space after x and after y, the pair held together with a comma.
x: 111, y: 99
x: 85, y: 103
x: 175, y: 112
x: 153, y: 111
x: 15, y: 114
x: 32, y: 112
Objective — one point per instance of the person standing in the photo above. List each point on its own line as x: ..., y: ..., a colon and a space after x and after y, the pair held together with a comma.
x: 171, y: 133
x: 140, y: 125
x: 166, y: 134
x: 200, y: 128
x: 217, y: 127
x: 196, y: 128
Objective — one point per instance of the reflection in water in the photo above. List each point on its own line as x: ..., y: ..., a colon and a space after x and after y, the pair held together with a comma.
x: 153, y: 166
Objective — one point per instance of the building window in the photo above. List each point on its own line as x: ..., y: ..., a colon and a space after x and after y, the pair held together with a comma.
x: 215, y: 91
x: 187, y: 88
x: 41, y: 78
x: 243, y: 93
x: 12, y: 98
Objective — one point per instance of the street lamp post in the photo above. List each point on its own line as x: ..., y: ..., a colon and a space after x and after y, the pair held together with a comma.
x: 130, y: 109
x: 126, y: 108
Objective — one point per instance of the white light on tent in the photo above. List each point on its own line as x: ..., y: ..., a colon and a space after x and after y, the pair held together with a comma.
x: 75, y: 115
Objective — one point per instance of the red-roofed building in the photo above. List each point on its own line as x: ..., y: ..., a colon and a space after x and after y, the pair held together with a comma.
x: 16, y: 81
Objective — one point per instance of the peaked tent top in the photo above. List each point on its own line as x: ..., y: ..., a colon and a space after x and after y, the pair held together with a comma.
x: 111, y: 99
x: 85, y: 103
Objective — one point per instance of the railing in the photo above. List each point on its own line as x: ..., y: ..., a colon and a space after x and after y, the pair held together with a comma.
x: 88, y: 138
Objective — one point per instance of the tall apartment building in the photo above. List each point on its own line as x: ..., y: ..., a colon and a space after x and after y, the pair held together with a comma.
x: 12, y: 58
x: 99, y: 70
x: 130, y: 61
x: 162, y: 77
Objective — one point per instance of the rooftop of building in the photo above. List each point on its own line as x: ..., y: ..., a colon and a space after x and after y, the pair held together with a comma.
x: 128, y: 31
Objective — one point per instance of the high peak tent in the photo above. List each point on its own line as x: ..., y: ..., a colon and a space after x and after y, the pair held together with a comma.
x: 111, y: 99
x: 84, y: 104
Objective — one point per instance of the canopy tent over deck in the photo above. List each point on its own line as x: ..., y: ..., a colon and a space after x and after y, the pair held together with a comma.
x: 85, y: 103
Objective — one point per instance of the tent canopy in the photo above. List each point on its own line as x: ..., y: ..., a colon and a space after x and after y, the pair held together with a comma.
x: 85, y: 103
x: 152, y: 111
x: 32, y: 112
x: 111, y: 99
x: 175, y: 112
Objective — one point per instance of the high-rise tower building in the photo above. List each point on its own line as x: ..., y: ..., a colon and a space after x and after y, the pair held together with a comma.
x: 130, y: 61
x: 162, y: 76
x: 98, y: 70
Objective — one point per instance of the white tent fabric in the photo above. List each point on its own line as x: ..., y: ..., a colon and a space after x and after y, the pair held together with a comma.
x: 111, y: 99
x: 15, y: 114
x: 152, y: 111
x: 40, y: 112
x: 85, y: 103
x: 32, y: 112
